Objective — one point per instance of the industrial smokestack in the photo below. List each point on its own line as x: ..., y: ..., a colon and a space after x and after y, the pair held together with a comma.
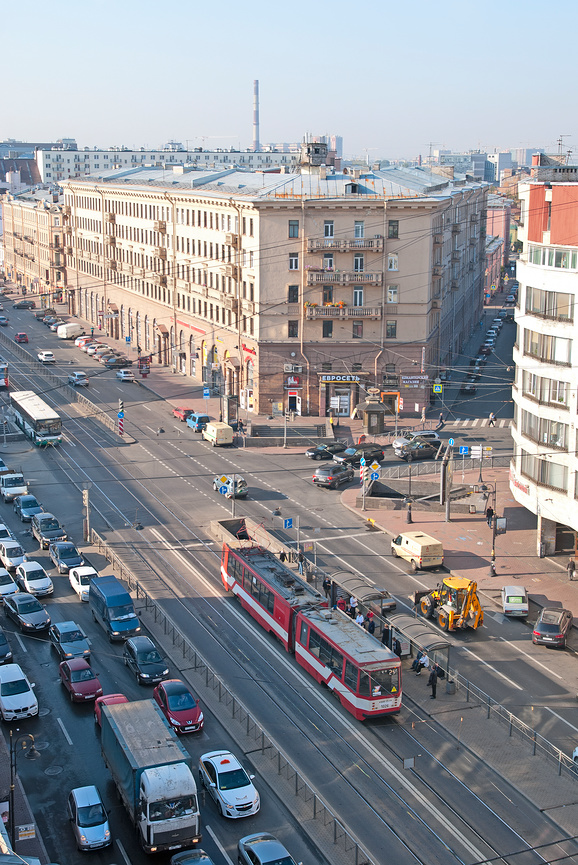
x: 256, y: 145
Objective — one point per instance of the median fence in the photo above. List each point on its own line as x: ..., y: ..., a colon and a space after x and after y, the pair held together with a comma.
x: 264, y: 752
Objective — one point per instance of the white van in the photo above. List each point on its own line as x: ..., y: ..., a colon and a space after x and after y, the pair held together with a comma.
x: 419, y: 549
x: 70, y: 330
x: 218, y: 433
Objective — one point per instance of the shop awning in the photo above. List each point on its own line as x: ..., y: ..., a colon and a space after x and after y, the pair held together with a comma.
x: 162, y: 328
x: 113, y: 307
x: 234, y: 362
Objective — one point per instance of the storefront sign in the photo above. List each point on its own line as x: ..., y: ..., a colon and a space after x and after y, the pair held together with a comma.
x: 525, y: 488
x: 339, y: 378
x: 414, y: 380
x: 248, y: 349
x: 292, y: 381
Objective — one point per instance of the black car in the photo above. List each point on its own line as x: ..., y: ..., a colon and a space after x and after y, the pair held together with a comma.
x: 64, y: 556
x: 552, y: 627
x: 46, y: 529
x: 143, y: 658
x: 118, y: 363
x: 26, y: 507
x: 418, y: 450
x: 24, y: 304
x: 27, y: 612
x: 324, y: 452
x: 353, y: 455
x: 333, y: 475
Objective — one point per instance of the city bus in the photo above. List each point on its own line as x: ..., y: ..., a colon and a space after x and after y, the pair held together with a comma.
x: 35, y: 418
x: 362, y: 673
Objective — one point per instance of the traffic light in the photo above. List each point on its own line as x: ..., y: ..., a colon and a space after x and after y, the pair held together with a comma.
x: 120, y: 405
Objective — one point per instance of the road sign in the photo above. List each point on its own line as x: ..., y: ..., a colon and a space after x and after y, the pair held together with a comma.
x: 362, y: 461
x: 375, y: 466
x: 120, y: 426
x: 127, y: 339
x: 288, y: 524
x: 464, y: 450
x: 223, y: 490
x: 451, y: 442
x: 476, y: 452
x: 206, y: 393
x: 223, y: 479
x: 438, y: 388
x: 120, y: 415
x: 374, y: 476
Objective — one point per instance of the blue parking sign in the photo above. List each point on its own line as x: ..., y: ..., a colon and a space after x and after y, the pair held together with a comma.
x: 464, y: 449
x: 288, y: 524
x: 206, y: 393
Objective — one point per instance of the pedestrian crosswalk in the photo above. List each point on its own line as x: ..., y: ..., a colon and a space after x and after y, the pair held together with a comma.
x: 477, y: 422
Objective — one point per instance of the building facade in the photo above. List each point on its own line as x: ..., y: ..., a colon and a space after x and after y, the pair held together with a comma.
x: 33, y: 241
x: 544, y: 471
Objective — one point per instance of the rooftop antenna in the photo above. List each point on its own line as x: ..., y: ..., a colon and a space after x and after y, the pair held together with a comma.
x: 561, y: 142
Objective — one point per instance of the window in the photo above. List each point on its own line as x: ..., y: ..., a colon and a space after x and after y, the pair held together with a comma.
x: 293, y: 261
x: 391, y: 330
x: 327, y: 294
x: 358, y: 262
x: 328, y: 261
x: 293, y: 228
x: 358, y: 229
x: 549, y: 304
x: 548, y: 349
x: 392, y: 293
x: 357, y: 297
x: 393, y: 229
x: 293, y: 294
x: 325, y: 367
x: 327, y: 329
x: 392, y: 261
x: 547, y: 432
x: 293, y: 329
x: 544, y: 472
x: 328, y: 228
x: 357, y: 330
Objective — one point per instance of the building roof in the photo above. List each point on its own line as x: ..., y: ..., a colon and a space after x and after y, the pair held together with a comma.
x: 29, y: 173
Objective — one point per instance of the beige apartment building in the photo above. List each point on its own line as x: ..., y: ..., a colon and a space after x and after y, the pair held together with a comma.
x: 33, y: 241
x: 288, y: 291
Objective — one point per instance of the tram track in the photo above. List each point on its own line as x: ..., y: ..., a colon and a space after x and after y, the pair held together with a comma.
x: 177, y: 583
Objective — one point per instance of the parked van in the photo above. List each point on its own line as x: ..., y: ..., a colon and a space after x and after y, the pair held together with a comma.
x: 419, y: 549
x: 70, y: 330
x: 198, y: 421
x: 218, y: 433
x: 112, y: 606
x: 12, y: 484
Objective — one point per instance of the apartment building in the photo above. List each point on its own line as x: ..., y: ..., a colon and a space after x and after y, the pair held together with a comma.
x: 33, y: 235
x: 544, y: 471
x: 288, y: 291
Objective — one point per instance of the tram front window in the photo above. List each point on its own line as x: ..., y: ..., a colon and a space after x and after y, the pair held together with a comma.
x: 379, y: 683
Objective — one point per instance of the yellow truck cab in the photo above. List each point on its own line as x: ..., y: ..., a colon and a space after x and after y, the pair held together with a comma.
x: 218, y: 433
x: 419, y: 549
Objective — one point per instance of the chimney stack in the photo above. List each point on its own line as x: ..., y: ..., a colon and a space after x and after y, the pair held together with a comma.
x: 256, y: 145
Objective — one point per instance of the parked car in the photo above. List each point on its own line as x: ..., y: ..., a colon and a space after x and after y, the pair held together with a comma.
x: 17, y: 698
x: 94, y: 346
x: 353, y: 455
x: 107, y: 700
x: 125, y: 375
x: 80, y: 680
x: 502, y: 314
x: 263, y: 849
x: 32, y: 578
x: 424, y: 435
x: 468, y: 389
x: 21, y: 337
x: 552, y: 627
x: 333, y: 475
x: 511, y: 298
x: 486, y: 349
x: 90, y: 343
x: 78, y: 379
x: 5, y: 650
x: 117, y: 362
x: 48, y: 319
x: 27, y: 612
x: 64, y: 556
x: 83, y: 339
x: 54, y: 325
x: 143, y: 658
x: 515, y: 601
x: 26, y: 507
x: 108, y: 356
x: 11, y: 554
x: 69, y: 640
x: 24, y: 304
x: 182, y: 412
x: 8, y: 585
x: 46, y: 529
x: 227, y: 782
x: 417, y: 450
x: 88, y: 818
x: 325, y: 451
x: 46, y: 356
x: 179, y: 706
x: 80, y: 578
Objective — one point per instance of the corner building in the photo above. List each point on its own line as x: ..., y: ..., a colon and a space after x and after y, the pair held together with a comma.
x: 289, y: 291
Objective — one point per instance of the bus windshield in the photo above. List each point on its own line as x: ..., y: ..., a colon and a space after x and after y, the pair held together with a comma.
x: 379, y: 683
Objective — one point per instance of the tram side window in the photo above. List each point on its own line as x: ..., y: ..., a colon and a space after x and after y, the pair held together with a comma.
x: 351, y: 676
x: 235, y: 568
x: 303, y: 634
x: 326, y: 653
x: 260, y: 592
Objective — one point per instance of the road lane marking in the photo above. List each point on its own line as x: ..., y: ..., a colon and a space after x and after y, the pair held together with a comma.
x: 497, y: 672
x: 219, y: 845
x: 123, y: 852
x: 560, y: 718
x: 522, y: 652
x: 21, y: 641
x: 64, y: 730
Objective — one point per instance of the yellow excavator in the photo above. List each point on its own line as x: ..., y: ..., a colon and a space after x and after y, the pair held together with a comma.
x: 456, y: 604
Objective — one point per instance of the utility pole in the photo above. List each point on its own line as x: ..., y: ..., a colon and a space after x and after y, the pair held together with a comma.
x: 86, y: 506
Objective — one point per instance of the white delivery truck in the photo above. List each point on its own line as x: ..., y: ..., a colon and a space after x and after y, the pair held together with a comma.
x: 218, y: 433
x: 419, y: 549
x: 70, y: 330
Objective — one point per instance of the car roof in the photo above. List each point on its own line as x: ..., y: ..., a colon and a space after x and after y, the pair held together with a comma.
x: 86, y: 796
x: 218, y: 757
x: 515, y: 590
x: 11, y: 673
x: 30, y: 566
x: 67, y: 626
x: 175, y: 686
x: 141, y: 642
x: 552, y: 616
x: 78, y: 664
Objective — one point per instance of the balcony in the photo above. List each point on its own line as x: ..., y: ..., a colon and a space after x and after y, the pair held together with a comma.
x: 456, y: 228
x: 160, y: 279
x: 110, y: 218
x: 161, y: 227
x: 456, y: 255
x: 231, y: 270
x: 112, y: 264
x: 343, y: 312
x: 28, y: 238
x: 231, y: 302
x: 330, y: 244
x: 232, y: 240
x: 343, y: 277
x: 111, y: 240
x: 161, y: 252
x: 437, y: 239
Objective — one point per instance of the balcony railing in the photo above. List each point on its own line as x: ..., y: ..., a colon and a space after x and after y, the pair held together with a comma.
x: 371, y: 244
x: 313, y: 312
x: 343, y: 277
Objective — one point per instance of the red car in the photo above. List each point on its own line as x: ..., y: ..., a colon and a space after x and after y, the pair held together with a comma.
x: 79, y: 680
x: 107, y: 700
x: 182, y: 412
x: 179, y: 706
x: 21, y: 337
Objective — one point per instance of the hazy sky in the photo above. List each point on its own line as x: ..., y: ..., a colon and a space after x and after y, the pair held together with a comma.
x: 390, y: 77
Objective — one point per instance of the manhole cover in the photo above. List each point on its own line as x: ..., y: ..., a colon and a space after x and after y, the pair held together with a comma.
x: 40, y: 746
x: 43, y: 712
x: 53, y: 770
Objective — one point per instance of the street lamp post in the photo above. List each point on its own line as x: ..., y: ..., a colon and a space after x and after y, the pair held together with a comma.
x: 26, y: 741
x: 494, y: 529
x: 409, y: 517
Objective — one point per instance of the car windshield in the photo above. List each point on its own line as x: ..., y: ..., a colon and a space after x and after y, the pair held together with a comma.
x: 30, y: 606
x: 6, y: 580
x: 350, y: 451
x: 233, y: 780
x: 181, y: 702
x: 10, y: 689
x: 67, y: 552
x: 149, y: 656
x: 14, y: 552
x: 82, y: 675
x: 36, y: 575
x: 4, y: 533
x: 48, y: 525
x: 71, y: 636
x: 29, y: 503
x: 84, y: 579
x: 169, y: 809
x: 125, y: 611
x: 91, y: 815
x: 16, y: 481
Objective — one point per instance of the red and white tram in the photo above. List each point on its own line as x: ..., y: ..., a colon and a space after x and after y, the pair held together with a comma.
x: 363, y: 673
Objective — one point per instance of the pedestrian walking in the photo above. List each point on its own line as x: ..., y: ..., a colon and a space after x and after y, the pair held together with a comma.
x: 571, y: 567
x: 386, y: 635
x: 327, y: 586
x: 397, y: 648
x: 433, y: 682
x: 240, y: 426
x: 300, y: 562
x: 492, y: 419
x: 440, y: 420
x: 282, y: 556
x: 489, y: 516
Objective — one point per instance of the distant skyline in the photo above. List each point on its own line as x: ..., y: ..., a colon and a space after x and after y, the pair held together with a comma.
x: 392, y: 80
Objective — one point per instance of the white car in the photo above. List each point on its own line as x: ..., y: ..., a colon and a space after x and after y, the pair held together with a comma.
x: 17, y: 699
x: 79, y: 379
x: 429, y: 435
x: 515, y: 601
x: 46, y: 357
x: 221, y: 774
x: 125, y: 375
x: 7, y: 584
x: 32, y: 578
x: 5, y: 533
x: 80, y: 578
x: 95, y: 346
x: 11, y: 554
